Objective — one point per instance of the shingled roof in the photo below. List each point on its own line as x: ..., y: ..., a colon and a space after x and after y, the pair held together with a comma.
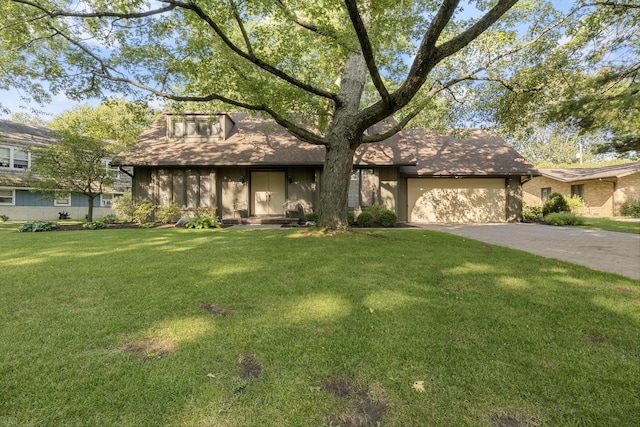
x: 23, y: 134
x: 261, y: 142
x: 586, y: 174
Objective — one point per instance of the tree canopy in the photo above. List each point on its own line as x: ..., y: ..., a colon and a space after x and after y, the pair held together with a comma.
x: 326, y: 70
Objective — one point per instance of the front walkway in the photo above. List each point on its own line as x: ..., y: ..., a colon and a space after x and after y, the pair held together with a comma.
x: 607, y: 251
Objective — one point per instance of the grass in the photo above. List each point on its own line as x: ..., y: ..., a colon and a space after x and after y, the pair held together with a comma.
x: 278, y: 327
x: 624, y: 225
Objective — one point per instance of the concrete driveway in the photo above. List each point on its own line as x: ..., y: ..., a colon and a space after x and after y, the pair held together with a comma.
x: 608, y: 251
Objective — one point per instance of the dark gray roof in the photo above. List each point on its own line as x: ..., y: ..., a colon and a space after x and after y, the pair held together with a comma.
x: 22, y: 134
x: 261, y: 142
x: 586, y: 174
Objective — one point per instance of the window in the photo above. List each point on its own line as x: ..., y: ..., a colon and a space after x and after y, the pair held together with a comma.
x: 577, y: 190
x: 106, y: 199
x: 14, y: 158
x: 62, y: 200
x: 192, y: 126
x: 545, y: 193
x: 112, y: 171
x: 5, y: 157
x: 7, y: 196
x: 362, y: 188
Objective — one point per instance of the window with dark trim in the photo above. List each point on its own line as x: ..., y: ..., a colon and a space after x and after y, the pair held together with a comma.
x: 577, y: 190
x: 545, y: 193
x: 362, y: 188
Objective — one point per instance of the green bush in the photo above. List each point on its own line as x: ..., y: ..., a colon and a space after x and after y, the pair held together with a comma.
x: 37, y: 226
x: 123, y: 207
x: 203, y: 221
x: 351, y: 218
x: 95, y: 225
x: 4, y: 218
x: 312, y: 216
x: 143, y: 212
x: 376, y: 211
x: 365, y: 219
x: 631, y: 208
x: 563, y: 218
x: 168, y: 213
x: 576, y: 204
x: 109, y: 219
x: 533, y: 213
x: 556, y: 203
x: 388, y: 218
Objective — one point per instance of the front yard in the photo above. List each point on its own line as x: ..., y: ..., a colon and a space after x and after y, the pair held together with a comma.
x: 284, y: 327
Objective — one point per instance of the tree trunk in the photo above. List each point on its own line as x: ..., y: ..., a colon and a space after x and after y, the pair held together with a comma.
x: 90, y: 197
x: 334, y: 187
x: 343, y: 138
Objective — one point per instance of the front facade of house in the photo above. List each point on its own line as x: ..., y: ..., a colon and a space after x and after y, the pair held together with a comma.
x: 18, y: 201
x: 603, y: 190
x: 250, y: 167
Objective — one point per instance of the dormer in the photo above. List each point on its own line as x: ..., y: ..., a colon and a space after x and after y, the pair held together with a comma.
x: 199, y: 127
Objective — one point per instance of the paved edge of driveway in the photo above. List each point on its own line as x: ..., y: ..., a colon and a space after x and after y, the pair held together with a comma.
x: 608, y: 251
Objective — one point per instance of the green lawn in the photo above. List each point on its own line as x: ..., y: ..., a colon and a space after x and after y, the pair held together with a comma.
x: 277, y: 327
x: 624, y: 225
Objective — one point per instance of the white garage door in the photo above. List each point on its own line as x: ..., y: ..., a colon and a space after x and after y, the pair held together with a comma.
x: 448, y: 200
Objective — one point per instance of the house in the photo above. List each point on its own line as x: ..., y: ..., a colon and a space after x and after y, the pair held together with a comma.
x: 244, y: 166
x: 18, y: 201
x: 603, y: 190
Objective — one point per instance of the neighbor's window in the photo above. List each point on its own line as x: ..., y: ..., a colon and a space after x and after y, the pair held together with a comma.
x: 545, y: 193
x: 62, y: 201
x: 5, y: 157
x: 113, y: 171
x: 106, y: 199
x: 20, y: 159
x: 7, y: 196
x: 577, y: 190
x: 362, y: 188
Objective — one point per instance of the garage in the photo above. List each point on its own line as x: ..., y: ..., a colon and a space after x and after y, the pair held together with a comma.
x: 456, y: 200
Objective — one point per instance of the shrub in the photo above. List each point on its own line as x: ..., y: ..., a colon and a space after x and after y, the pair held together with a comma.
x: 203, y: 221
x: 388, y: 218
x: 555, y: 203
x: 576, y: 204
x: 123, y: 206
x: 95, y: 225
x: 312, y: 216
x: 169, y: 213
x: 533, y: 213
x: 563, y: 218
x: 365, y: 219
x: 109, y: 219
x: 351, y: 218
x: 37, y: 226
x: 376, y: 211
x: 4, y: 218
x: 143, y: 212
x: 631, y: 208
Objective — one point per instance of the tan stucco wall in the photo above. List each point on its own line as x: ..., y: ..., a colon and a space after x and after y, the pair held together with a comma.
x: 599, y: 196
x: 466, y: 200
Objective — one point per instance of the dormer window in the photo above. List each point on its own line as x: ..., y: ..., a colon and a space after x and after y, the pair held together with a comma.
x: 191, y: 126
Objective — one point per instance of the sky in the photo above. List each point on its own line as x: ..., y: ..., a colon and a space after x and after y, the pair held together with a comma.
x: 13, y: 101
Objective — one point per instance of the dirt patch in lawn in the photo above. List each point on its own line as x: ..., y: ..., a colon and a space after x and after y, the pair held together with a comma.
x: 151, y: 348
x: 505, y: 420
x: 249, y: 367
x: 359, y: 409
x: 597, y: 338
x: 218, y: 310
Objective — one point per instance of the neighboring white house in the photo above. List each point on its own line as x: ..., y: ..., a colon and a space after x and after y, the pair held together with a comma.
x: 18, y: 201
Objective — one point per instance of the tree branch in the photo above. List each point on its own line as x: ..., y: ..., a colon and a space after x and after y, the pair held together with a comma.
x: 247, y: 42
x: 367, y: 51
x: 254, y: 60
x: 58, y: 13
x: 303, y: 23
x: 394, y: 129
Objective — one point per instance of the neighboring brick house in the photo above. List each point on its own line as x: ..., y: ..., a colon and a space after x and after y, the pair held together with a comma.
x: 18, y: 201
x: 603, y: 190
x: 243, y: 166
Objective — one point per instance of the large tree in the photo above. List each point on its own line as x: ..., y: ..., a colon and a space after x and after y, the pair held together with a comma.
x: 75, y: 165
x: 325, y: 70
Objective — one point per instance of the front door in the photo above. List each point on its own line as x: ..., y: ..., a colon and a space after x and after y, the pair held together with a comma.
x: 268, y: 189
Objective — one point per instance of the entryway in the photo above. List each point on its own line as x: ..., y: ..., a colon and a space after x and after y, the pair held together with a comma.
x: 268, y: 192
